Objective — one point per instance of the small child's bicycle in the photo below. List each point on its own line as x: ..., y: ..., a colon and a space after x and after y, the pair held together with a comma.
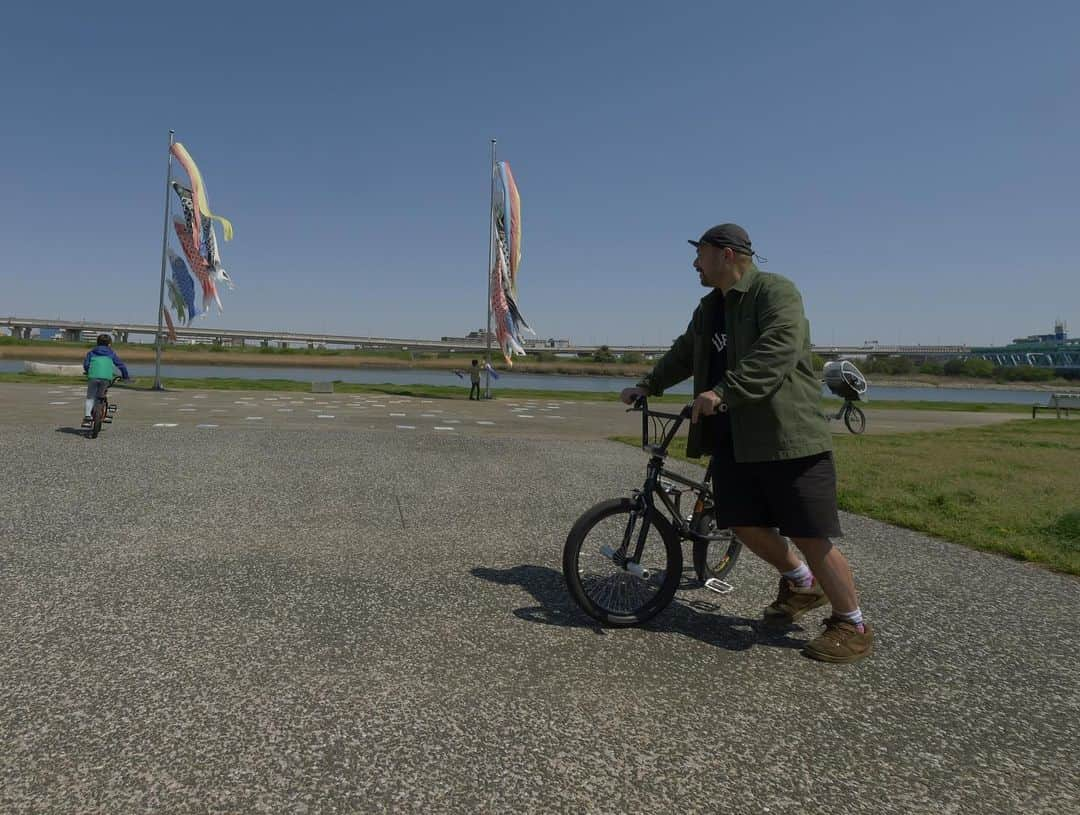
x: 623, y: 559
x: 103, y: 411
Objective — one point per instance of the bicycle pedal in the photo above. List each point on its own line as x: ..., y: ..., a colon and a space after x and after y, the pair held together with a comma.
x: 719, y: 586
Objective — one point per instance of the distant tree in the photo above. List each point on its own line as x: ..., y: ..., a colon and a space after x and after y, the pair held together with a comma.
x: 632, y: 357
x: 603, y: 354
x: 954, y: 367
x: 932, y: 368
x: 973, y: 366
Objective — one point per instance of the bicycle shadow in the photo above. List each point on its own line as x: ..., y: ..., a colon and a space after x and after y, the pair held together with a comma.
x: 72, y: 431
x: 695, y: 618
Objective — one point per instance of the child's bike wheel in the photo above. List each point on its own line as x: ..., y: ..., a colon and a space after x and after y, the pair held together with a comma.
x: 96, y: 416
x: 612, y: 593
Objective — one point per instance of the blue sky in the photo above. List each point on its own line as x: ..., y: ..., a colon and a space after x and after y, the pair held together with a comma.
x: 913, y: 169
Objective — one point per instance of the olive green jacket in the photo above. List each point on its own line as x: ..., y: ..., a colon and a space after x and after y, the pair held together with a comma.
x: 770, y: 388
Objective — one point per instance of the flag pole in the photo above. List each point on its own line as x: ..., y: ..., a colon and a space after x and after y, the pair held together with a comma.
x: 161, y: 288
x: 491, y: 246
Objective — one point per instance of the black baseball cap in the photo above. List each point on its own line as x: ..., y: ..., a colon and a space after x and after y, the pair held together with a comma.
x: 723, y: 235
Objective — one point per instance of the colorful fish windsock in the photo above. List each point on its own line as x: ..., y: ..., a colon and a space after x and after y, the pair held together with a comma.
x: 508, y: 219
x: 503, y: 310
x: 187, y: 203
x: 169, y: 323
x: 176, y: 299
x: 213, y: 257
x: 506, y: 215
x: 198, y: 190
x: 181, y: 278
x: 199, y: 266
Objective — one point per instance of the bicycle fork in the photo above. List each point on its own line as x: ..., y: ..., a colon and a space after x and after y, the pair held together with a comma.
x: 618, y: 556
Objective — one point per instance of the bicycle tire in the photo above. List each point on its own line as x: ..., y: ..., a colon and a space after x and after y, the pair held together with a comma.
x: 96, y: 416
x: 594, y: 594
x: 855, y: 419
x: 719, y: 566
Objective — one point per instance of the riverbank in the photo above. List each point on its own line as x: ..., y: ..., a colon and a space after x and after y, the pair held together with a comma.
x: 502, y: 392
x: 71, y: 353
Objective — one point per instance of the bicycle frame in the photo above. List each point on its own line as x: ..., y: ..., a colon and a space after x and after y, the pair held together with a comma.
x: 660, y: 481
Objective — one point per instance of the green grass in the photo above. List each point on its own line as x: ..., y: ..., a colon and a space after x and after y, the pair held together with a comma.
x: 1011, y: 488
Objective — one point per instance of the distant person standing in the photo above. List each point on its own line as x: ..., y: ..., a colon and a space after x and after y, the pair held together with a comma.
x: 474, y: 377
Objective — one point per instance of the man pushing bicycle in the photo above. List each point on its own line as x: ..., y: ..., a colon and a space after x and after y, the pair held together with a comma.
x: 757, y: 410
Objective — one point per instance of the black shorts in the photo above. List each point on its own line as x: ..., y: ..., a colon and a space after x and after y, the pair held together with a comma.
x: 796, y: 496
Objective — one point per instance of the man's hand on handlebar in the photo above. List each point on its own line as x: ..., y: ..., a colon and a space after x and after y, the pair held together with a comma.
x: 629, y: 396
x: 707, y: 403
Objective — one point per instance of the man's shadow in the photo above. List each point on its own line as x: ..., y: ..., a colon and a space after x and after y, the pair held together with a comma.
x: 695, y: 618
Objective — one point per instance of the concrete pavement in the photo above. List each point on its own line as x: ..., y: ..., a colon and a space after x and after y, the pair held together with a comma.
x: 301, y: 614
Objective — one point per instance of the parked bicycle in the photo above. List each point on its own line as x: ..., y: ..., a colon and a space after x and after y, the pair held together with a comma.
x: 852, y: 415
x: 102, y: 412
x: 623, y: 558
x: 847, y: 382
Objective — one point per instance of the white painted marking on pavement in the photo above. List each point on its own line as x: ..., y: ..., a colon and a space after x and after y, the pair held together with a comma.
x: 324, y: 416
x: 253, y: 418
x: 187, y: 410
x: 397, y: 414
x: 59, y: 403
x: 525, y: 416
x: 444, y: 428
x: 481, y: 421
x: 284, y: 410
x: 406, y: 427
x: 165, y: 424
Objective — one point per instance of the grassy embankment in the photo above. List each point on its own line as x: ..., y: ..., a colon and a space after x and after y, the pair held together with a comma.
x: 1011, y: 488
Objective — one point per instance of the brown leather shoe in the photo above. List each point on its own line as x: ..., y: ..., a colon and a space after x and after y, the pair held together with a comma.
x: 842, y: 642
x: 792, y: 602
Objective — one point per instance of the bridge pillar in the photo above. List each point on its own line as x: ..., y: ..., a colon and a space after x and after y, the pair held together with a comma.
x: 238, y: 342
x: 26, y: 332
x: 284, y: 345
x: 72, y: 334
x: 264, y: 344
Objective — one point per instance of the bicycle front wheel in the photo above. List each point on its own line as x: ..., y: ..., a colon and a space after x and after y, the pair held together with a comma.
x: 622, y: 593
x: 96, y: 416
x: 855, y: 419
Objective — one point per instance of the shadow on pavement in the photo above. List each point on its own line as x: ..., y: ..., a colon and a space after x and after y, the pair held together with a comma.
x: 695, y: 618
x: 72, y: 431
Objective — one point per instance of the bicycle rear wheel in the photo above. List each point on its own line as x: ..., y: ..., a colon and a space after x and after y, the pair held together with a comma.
x: 604, y: 588
x: 717, y: 557
x: 855, y: 419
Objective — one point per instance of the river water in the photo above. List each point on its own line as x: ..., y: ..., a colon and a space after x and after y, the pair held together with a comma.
x: 611, y: 384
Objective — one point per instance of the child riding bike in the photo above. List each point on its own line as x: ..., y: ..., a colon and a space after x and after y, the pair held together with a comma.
x: 100, y: 366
